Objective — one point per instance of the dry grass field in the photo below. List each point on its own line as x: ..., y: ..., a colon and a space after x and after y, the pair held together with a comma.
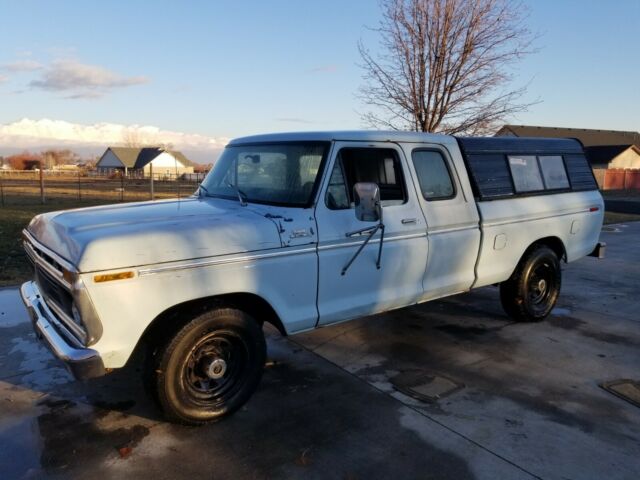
x: 21, y: 202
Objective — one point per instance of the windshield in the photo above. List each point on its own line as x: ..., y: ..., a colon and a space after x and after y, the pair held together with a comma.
x: 279, y: 174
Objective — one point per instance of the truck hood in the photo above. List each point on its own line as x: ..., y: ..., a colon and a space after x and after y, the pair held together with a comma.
x: 135, y: 234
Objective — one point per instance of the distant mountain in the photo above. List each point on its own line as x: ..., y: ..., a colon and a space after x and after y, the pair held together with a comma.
x: 92, y: 140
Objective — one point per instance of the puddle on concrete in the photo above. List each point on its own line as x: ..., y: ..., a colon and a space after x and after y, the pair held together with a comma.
x: 71, y: 433
x: 39, y: 369
x: 12, y: 311
x: 20, y: 452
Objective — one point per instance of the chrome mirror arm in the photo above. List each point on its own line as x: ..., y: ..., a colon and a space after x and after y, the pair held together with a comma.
x: 371, y: 231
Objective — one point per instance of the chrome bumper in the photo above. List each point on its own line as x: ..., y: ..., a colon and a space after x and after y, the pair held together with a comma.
x: 83, y: 363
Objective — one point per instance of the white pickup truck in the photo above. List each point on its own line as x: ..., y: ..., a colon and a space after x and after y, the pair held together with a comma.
x: 304, y: 230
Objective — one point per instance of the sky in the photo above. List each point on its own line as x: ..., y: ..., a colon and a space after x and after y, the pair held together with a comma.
x: 222, y: 69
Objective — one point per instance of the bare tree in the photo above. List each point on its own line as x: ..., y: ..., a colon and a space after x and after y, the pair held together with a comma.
x: 131, y: 138
x: 444, y: 65
x: 52, y: 157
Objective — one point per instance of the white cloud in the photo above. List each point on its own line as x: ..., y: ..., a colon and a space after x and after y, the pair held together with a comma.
x: 21, y: 66
x: 3, y: 79
x: 80, y: 80
x: 34, y: 134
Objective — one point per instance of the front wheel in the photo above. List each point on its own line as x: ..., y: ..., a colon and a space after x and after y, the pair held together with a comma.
x: 531, y: 292
x: 211, y: 367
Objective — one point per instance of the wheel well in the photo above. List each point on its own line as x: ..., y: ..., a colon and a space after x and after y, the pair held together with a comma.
x: 170, y: 321
x: 554, y: 243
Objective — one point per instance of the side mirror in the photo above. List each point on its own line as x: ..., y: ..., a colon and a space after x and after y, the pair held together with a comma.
x: 367, y: 199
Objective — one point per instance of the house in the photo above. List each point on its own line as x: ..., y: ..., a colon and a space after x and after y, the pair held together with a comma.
x: 66, y: 168
x: 613, y: 156
x: 136, y: 161
x: 603, y: 148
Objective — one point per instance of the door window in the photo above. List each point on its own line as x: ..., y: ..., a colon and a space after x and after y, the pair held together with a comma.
x: 378, y: 165
x: 433, y: 175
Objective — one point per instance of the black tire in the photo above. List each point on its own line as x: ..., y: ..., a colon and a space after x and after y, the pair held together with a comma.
x: 531, y: 292
x: 211, y: 367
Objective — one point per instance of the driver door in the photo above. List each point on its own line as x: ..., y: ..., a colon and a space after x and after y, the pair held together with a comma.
x: 364, y: 289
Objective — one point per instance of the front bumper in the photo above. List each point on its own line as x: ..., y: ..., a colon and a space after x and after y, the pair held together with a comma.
x: 83, y: 363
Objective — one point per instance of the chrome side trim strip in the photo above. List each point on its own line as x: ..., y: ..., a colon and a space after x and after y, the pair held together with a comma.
x: 535, y: 217
x: 261, y: 256
x: 442, y: 230
x: 348, y: 244
x: 224, y: 261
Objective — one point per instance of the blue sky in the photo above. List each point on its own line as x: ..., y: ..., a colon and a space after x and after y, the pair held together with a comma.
x: 223, y: 68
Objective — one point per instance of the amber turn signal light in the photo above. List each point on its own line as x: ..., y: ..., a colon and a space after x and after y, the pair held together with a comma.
x: 112, y: 276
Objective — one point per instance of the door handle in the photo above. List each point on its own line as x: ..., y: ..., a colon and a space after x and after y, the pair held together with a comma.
x: 409, y: 221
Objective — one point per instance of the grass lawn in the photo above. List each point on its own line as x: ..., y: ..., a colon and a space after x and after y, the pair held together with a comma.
x: 15, y: 268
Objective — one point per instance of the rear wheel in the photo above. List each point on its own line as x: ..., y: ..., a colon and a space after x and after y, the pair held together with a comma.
x: 531, y: 292
x: 211, y: 367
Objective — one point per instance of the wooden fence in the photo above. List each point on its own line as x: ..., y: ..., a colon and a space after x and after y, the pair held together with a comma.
x: 24, y: 187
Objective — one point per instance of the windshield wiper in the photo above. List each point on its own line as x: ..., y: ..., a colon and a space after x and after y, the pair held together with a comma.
x: 241, y: 194
x: 202, y: 189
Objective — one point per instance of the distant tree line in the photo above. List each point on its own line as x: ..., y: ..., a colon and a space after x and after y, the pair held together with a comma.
x: 48, y: 159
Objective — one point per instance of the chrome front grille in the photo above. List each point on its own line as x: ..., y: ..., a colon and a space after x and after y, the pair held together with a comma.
x: 56, y: 292
x: 52, y: 290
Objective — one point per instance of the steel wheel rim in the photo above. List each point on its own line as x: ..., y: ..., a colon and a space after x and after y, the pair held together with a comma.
x: 541, y: 283
x: 214, y: 350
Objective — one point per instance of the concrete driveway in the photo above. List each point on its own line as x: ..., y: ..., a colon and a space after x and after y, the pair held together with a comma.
x: 499, y: 399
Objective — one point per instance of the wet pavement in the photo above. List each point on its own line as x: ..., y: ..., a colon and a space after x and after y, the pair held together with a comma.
x: 526, y: 403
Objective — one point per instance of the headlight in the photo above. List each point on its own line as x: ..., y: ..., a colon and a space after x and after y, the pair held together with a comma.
x: 77, y: 318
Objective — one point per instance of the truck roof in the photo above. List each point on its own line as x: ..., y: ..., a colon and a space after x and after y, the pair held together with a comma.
x: 468, y: 145
x: 346, y: 135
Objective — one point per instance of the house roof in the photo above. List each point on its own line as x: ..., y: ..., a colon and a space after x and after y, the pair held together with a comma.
x: 602, y: 154
x: 588, y: 137
x: 127, y: 155
x: 146, y: 155
x: 135, y: 157
x: 181, y: 158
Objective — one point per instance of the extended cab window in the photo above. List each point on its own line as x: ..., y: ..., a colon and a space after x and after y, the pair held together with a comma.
x: 553, y: 172
x: 433, y: 175
x: 525, y: 173
x: 377, y: 165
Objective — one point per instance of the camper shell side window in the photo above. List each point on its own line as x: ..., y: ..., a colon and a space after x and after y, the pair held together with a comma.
x: 503, y: 167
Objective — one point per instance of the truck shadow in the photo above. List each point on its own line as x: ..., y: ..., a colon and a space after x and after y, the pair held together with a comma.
x: 305, y: 415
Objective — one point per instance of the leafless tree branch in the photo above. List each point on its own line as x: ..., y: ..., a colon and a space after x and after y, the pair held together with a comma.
x: 444, y: 65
